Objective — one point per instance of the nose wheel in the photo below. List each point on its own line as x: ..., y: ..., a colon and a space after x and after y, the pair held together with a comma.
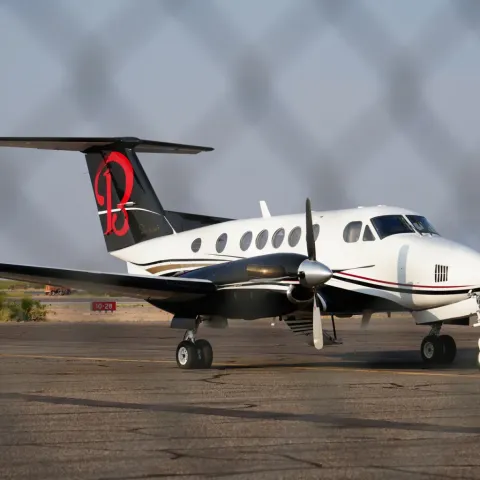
x: 476, y: 295
x: 438, y: 349
x: 478, y: 358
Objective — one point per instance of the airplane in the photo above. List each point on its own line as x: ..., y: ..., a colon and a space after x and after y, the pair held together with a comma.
x: 297, y: 268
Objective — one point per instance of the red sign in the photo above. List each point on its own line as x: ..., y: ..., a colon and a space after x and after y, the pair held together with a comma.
x: 104, y: 306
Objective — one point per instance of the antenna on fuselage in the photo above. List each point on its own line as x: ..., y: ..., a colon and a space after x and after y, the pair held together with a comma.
x: 264, y: 209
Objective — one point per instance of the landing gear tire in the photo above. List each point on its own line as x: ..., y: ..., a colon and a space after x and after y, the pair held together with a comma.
x: 478, y: 357
x: 205, y: 352
x: 449, y: 349
x: 438, y: 350
x: 431, y: 349
x: 187, y: 355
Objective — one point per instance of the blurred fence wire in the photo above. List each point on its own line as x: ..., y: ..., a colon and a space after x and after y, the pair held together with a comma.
x: 93, y: 55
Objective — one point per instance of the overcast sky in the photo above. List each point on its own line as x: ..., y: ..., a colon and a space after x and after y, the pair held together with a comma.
x: 297, y: 100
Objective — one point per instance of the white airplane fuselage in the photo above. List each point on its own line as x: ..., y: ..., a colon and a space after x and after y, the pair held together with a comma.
x: 418, y: 271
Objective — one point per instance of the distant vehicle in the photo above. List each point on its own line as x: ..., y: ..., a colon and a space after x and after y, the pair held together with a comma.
x: 56, y: 290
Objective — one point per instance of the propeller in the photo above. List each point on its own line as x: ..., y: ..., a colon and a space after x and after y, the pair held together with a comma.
x: 311, y: 274
x: 314, y: 274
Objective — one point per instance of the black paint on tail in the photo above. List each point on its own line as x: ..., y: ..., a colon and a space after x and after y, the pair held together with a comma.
x: 182, y: 221
x: 127, y: 205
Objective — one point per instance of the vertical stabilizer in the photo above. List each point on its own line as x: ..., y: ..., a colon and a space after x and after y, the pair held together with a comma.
x: 128, y: 207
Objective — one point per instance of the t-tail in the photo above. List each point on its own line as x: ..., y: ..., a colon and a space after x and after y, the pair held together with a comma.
x: 128, y: 207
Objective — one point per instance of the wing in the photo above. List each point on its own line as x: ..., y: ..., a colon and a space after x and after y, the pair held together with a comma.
x: 135, y: 286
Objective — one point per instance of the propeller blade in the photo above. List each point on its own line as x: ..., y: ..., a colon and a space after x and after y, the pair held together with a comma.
x: 323, y: 303
x: 311, y: 251
x: 317, y: 323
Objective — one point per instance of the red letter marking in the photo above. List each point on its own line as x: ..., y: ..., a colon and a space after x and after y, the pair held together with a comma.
x: 112, y: 217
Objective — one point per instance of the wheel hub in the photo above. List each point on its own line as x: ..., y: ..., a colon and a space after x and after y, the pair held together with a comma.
x: 429, y: 350
x: 183, y: 356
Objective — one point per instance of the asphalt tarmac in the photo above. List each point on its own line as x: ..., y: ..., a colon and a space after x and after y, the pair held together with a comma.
x: 107, y: 402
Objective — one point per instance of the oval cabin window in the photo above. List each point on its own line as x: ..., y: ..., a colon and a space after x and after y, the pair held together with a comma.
x: 221, y: 243
x: 294, y: 236
x: 246, y: 241
x: 196, y: 244
x: 278, y: 237
x: 261, y: 240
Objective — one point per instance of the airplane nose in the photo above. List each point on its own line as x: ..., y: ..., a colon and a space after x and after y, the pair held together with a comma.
x: 447, y: 268
x: 444, y: 264
x: 464, y: 269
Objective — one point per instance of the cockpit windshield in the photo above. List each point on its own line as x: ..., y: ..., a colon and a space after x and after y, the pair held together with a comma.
x: 387, y: 225
x: 421, y: 224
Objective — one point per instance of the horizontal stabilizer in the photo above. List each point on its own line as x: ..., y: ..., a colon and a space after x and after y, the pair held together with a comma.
x: 135, y: 286
x: 92, y: 144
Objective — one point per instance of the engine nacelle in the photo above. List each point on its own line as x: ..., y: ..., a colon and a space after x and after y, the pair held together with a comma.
x: 299, y: 295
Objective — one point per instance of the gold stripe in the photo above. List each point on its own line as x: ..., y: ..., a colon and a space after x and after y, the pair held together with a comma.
x: 176, y: 266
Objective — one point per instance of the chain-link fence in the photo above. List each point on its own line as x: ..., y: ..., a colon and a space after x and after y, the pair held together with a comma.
x: 348, y: 102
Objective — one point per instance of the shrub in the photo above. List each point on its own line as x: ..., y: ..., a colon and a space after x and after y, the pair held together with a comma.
x: 4, y: 315
x: 24, y: 310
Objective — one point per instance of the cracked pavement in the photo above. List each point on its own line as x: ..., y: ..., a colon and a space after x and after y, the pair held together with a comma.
x: 107, y: 402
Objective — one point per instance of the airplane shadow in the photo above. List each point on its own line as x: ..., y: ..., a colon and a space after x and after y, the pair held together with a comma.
x: 387, y: 360
x: 326, y: 419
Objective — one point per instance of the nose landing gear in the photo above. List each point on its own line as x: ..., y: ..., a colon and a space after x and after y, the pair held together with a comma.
x: 477, y: 298
x: 438, y: 349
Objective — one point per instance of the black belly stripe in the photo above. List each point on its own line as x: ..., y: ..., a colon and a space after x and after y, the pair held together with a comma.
x: 412, y: 291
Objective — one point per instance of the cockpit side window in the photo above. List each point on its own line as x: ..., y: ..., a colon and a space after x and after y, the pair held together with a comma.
x: 368, y: 235
x: 387, y: 225
x: 421, y: 224
x: 351, y: 233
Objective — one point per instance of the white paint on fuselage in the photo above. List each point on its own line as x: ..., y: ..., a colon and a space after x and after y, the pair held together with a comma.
x: 405, y: 260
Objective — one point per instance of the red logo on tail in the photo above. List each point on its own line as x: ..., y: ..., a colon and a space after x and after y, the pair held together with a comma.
x: 104, y: 170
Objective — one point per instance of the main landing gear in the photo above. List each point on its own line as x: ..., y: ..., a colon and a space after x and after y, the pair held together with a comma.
x: 438, y: 349
x: 193, y: 353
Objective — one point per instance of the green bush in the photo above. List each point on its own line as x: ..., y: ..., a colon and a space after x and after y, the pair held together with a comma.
x: 4, y: 315
x: 24, y: 310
